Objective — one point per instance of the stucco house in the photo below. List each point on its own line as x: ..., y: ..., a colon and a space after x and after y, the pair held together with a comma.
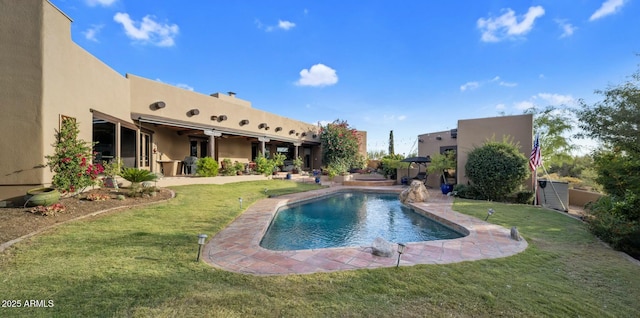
x: 472, y: 133
x: 45, y: 77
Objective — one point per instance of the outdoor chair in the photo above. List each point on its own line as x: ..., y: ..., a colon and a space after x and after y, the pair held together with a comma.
x: 189, y: 164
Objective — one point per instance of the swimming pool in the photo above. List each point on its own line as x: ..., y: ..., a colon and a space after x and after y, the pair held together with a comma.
x: 350, y: 219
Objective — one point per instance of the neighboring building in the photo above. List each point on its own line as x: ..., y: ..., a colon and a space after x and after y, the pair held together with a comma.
x: 45, y: 77
x: 472, y: 133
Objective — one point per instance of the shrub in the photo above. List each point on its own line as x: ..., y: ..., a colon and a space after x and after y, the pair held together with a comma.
x: 616, y: 220
x: 389, y: 165
x: 467, y: 192
x: 496, y: 169
x: 238, y: 166
x: 71, y: 161
x: 228, y: 168
x: 136, y: 176
x: 263, y: 165
x: 207, y: 167
x: 340, y: 145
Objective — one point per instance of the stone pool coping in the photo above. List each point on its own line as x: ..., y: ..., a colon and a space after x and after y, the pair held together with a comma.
x: 236, y: 248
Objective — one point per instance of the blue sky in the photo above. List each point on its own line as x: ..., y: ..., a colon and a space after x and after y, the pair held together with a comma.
x: 409, y: 66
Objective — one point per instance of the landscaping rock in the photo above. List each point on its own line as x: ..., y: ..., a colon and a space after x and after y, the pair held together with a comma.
x: 381, y: 247
x: 515, y: 235
x: 416, y: 192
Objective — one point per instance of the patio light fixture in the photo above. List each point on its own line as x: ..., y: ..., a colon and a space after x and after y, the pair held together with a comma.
x: 292, y: 131
x: 278, y: 129
x: 193, y: 112
x: 244, y: 122
x: 262, y: 126
x: 219, y: 118
x: 201, y: 239
x: 240, y: 200
x: 489, y: 213
x: 401, y: 247
x: 314, y: 136
x: 158, y: 105
x: 304, y: 134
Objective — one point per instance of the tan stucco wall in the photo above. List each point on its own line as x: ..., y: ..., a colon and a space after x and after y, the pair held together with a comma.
x: 472, y: 133
x: 145, y: 92
x: 21, y: 120
x: 74, y: 81
x: 44, y: 74
x: 581, y: 197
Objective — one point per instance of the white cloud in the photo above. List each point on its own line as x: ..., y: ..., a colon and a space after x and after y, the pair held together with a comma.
x: 317, y: 75
x: 556, y: 99
x: 285, y: 25
x: 507, y: 25
x: 282, y: 24
x: 469, y: 85
x: 567, y: 28
x: 92, y: 32
x: 608, y: 7
x: 149, y: 31
x: 501, y: 106
x: 524, y: 105
x: 507, y: 84
x: 104, y: 3
x: 475, y: 84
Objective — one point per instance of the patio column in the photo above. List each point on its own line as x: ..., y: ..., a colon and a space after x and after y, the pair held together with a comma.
x: 212, y: 141
x: 295, y: 152
x: 263, y: 140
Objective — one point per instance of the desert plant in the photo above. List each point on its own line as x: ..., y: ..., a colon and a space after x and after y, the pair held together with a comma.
x: 207, y: 167
x: 263, y: 165
x: 136, y: 176
x: 441, y: 163
x: 238, y: 167
x: 227, y: 167
x: 297, y: 163
x: 111, y: 170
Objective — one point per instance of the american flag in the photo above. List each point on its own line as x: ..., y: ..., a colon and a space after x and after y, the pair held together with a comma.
x: 535, y: 160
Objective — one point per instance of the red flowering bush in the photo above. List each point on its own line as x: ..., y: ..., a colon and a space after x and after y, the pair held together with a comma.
x: 340, y: 145
x: 71, y: 161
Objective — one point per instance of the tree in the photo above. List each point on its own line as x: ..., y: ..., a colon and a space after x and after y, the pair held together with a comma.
x: 615, y: 120
x: 553, y: 126
x: 391, y: 150
x: 340, y: 146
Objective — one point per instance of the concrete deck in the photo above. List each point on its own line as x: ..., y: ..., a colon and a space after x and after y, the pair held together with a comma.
x: 236, y: 248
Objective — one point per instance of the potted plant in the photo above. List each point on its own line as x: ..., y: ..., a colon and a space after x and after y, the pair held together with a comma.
x: 111, y: 171
x: 297, y: 165
x: 42, y: 196
x: 239, y: 167
x: 444, y: 165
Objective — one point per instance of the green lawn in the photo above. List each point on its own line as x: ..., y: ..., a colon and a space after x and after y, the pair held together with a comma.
x: 141, y: 263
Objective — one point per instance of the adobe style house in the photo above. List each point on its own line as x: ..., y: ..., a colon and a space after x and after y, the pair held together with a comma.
x: 45, y: 77
x: 472, y: 133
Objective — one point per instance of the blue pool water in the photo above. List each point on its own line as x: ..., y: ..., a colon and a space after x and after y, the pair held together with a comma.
x: 350, y: 219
